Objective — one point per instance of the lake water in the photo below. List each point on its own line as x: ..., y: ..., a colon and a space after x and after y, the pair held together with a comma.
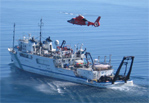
x: 123, y: 32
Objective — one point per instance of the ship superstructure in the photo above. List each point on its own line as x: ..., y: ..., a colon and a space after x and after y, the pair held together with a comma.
x: 63, y: 62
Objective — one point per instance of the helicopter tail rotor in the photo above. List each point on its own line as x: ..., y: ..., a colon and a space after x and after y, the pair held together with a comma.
x: 96, y: 23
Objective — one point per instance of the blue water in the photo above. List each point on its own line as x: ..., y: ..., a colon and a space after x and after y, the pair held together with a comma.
x: 123, y: 32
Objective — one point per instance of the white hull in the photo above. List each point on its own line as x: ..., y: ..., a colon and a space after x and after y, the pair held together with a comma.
x: 50, y: 70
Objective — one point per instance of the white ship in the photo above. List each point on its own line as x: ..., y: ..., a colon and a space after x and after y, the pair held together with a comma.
x: 63, y: 62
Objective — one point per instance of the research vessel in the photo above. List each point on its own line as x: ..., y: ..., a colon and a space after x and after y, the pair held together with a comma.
x: 62, y: 62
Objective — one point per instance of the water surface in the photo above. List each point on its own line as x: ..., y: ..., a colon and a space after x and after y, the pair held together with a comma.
x: 123, y: 32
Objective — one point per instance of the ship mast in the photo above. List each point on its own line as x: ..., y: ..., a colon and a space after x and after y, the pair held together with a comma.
x: 40, y: 25
x: 13, y: 36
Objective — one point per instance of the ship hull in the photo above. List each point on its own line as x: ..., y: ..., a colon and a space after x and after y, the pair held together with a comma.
x: 31, y: 65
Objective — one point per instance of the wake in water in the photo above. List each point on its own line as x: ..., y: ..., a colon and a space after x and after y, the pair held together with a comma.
x: 141, y: 88
x: 135, y: 89
x: 54, y: 87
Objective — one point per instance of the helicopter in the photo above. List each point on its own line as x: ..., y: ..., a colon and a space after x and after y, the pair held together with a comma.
x: 80, y: 20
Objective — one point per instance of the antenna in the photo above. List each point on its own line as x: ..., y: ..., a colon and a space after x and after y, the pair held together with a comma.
x: 41, y: 24
x: 105, y: 59
x: 110, y: 59
x: 98, y: 59
x: 13, y: 35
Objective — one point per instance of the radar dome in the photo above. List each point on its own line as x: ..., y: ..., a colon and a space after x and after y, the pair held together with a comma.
x: 56, y: 42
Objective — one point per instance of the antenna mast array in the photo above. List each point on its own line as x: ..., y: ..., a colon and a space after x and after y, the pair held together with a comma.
x: 41, y: 24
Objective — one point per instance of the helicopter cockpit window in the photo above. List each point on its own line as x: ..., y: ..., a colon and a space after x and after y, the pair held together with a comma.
x: 84, y: 19
x: 72, y: 20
